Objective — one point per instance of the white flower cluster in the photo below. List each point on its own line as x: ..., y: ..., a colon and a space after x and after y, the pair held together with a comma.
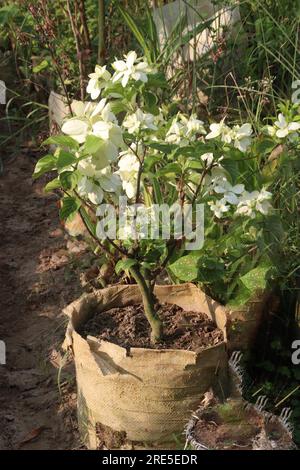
x: 240, y: 136
x: 98, y: 120
x: 243, y: 202
x: 139, y: 121
x: 184, y: 130
x: 113, y: 165
x: 131, y: 68
x: 283, y: 128
x: 255, y: 201
x: 136, y: 222
x: 98, y: 81
x: 128, y: 170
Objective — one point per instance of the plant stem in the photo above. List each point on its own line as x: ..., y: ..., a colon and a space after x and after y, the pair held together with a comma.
x: 76, y: 35
x: 101, y: 32
x: 149, y: 304
x: 83, y: 19
x: 103, y: 247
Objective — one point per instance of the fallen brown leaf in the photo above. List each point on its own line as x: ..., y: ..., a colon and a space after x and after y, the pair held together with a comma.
x: 32, y: 435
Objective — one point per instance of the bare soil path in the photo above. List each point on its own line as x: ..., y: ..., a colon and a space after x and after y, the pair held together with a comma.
x: 37, y: 279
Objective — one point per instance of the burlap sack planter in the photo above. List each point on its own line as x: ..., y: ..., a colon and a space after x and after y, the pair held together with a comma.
x: 243, y: 323
x: 272, y: 432
x: 146, y: 394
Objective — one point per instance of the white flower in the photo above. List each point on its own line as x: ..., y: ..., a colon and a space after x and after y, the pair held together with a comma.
x: 230, y: 193
x: 239, y: 135
x: 128, y: 171
x: 263, y: 205
x: 219, y: 207
x: 93, y: 185
x: 208, y: 158
x: 183, y: 130
x: 220, y: 130
x: 136, y: 222
x: 132, y: 67
x: 99, y: 120
x: 139, y: 120
x: 193, y: 125
x: 86, y: 187
x: 242, y: 136
x: 89, y: 167
x: 175, y: 134
x: 129, y: 187
x: 255, y: 201
x: 103, y: 111
x: 270, y: 130
x: 85, y: 118
x: 217, y: 176
x: 78, y: 129
x: 97, y: 81
x: 282, y: 128
x: 93, y: 164
x: 108, y: 131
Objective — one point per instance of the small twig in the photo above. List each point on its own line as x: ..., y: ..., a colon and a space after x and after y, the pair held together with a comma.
x: 287, y: 396
x: 133, y: 151
x: 45, y: 28
x: 90, y: 207
x: 86, y: 33
x: 138, y: 184
x: 76, y: 35
x: 204, y: 173
x: 101, y: 31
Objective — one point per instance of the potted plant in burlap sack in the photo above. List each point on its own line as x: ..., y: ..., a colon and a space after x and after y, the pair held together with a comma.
x: 236, y: 424
x: 157, y: 194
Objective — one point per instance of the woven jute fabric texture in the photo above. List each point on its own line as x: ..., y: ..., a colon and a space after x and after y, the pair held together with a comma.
x: 148, y: 394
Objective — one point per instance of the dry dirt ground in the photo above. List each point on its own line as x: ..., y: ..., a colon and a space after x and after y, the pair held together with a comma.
x: 38, y: 277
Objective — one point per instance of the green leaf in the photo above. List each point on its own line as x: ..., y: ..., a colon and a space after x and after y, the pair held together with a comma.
x: 42, y: 66
x: 70, y: 207
x: 150, y: 102
x: 267, y: 365
x: 170, y: 170
x: 256, y: 278
x: 7, y: 13
x: 87, y: 220
x: 92, y: 144
x: 118, y: 106
x: 264, y: 146
x: 138, y: 33
x: 157, y: 80
x: 44, y: 165
x: 186, y: 268
x: 194, y: 164
x: 62, y: 141
x: 150, y: 161
x: 157, y: 191
x: 65, y: 159
x: 68, y: 179
x: 164, y: 148
x: 54, y: 184
x: 188, y: 151
x: 125, y: 264
x: 152, y: 33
